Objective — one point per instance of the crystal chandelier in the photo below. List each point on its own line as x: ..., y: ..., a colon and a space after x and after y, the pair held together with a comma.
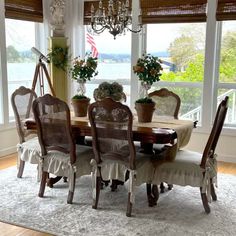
x: 116, y: 18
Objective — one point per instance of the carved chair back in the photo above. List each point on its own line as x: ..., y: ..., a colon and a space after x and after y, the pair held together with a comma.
x: 52, y: 117
x: 167, y: 102
x: 22, y: 100
x: 111, y: 124
x: 215, y: 132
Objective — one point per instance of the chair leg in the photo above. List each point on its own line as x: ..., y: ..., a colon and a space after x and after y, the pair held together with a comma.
x: 21, y: 169
x: 213, y: 193
x: 98, y: 187
x: 129, y: 206
x: 71, y: 191
x: 152, y: 194
x: 162, y: 187
x: 205, y: 202
x: 43, y: 184
x: 155, y: 193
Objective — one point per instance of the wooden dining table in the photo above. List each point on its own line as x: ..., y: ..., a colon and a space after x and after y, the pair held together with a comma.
x: 159, y: 131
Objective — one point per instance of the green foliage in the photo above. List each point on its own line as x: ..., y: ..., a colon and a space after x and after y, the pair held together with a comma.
x: 113, y: 90
x: 77, y: 96
x: 148, y: 69
x: 59, y: 57
x: 144, y: 100
x: 12, y: 54
x: 228, y: 58
x: 84, y: 69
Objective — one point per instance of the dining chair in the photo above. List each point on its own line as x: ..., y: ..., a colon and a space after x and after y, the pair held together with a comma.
x: 28, y: 147
x: 167, y: 104
x: 196, y: 169
x: 114, y: 150
x: 59, y: 153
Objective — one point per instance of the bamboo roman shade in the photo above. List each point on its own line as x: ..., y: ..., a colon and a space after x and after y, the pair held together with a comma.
x: 173, y: 11
x: 226, y: 10
x: 31, y: 10
x: 87, y: 9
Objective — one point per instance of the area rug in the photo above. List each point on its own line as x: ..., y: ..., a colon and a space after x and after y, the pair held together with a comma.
x: 178, y: 212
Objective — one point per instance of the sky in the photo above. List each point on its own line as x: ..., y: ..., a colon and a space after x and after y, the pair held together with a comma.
x: 20, y: 34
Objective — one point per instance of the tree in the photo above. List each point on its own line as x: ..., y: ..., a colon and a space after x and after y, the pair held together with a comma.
x: 184, y: 48
x: 182, y: 51
x: 12, y: 54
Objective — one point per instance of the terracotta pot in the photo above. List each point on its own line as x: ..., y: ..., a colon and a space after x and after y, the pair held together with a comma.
x: 80, y: 106
x: 145, y: 111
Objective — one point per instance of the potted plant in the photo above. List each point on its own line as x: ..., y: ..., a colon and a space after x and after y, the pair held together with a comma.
x: 82, y: 70
x: 148, y: 70
x: 113, y: 90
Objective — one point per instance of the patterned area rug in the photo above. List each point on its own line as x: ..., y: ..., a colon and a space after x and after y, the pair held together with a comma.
x: 179, y: 211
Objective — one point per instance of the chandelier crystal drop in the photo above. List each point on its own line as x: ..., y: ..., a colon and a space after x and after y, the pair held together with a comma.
x: 116, y: 18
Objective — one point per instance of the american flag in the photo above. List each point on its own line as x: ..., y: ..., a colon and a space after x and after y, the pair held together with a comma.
x: 91, y: 41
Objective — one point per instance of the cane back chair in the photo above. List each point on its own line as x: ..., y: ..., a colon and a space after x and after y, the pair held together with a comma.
x: 167, y: 103
x: 195, y: 169
x: 114, y: 150
x: 28, y: 147
x: 59, y: 154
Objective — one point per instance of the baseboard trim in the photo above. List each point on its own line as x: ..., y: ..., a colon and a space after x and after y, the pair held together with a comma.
x: 226, y: 158
x: 7, y: 151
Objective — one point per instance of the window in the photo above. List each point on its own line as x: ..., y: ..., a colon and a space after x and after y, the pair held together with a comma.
x: 114, y: 60
x: 181, y: 47
x: 20, y: 37
x: 227, y: 69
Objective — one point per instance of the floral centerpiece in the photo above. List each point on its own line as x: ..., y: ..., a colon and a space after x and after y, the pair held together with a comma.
x: 148, y: 70
x: 113, y: 90
x: 82, y: 70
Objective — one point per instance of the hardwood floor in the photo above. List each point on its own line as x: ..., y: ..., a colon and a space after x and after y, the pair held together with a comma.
x: 12, y: 230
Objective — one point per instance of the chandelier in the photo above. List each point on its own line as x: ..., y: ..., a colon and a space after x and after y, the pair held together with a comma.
x: 116, y: 18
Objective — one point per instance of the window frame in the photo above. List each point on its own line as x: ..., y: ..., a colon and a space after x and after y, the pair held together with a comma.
x: 211, y: 82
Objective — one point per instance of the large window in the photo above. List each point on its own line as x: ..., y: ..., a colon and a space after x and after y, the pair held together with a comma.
x: 20, y: 37
x: 227, y: 69
x: 114, y: 60
x: 181, y: 47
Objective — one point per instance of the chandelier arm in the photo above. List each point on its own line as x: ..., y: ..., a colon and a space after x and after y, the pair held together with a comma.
x: 134, y: 31
x: 98, y: 31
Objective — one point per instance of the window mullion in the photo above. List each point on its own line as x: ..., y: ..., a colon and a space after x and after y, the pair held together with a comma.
x: 136, y: 43
x: 209, y: 68
x: 3, y: 69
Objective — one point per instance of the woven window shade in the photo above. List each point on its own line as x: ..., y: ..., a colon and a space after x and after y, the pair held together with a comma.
x: 226, y: 10
x: 173, y: 11
x: 87, y: 9
x: 30, y: 10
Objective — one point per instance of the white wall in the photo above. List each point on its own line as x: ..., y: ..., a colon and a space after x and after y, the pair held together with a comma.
x: 226, y: 148
x: 8, y: 141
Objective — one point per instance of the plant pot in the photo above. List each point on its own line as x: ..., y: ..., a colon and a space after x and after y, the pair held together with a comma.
x: 80, y: 106
x: 145, y: 111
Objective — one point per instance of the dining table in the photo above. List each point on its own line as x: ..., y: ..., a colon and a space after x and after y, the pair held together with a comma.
x: 162, y: 130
